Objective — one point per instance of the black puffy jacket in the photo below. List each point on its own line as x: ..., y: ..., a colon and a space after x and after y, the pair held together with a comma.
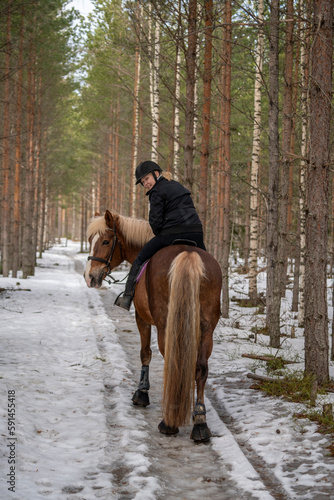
x: 172, y: 210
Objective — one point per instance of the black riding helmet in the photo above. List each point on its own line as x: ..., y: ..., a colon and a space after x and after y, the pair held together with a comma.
x: 146, y: 167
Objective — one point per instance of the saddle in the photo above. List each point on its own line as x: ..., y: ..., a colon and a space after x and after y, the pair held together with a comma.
x: 182, y: 241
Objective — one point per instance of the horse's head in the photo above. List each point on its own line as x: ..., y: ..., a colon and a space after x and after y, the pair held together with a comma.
x: 105, y: 249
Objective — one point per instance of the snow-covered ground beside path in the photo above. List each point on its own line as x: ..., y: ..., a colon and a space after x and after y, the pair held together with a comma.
x: 59, y: 346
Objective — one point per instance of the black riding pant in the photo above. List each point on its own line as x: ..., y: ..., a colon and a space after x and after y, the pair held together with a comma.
x: 165, y: 240
x: 152, y: 247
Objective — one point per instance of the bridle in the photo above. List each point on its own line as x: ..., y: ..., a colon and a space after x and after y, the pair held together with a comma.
x: 109, y: 259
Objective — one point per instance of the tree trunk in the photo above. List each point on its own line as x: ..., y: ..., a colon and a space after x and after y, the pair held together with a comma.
x: 176, y: 127
x: 316, y: 318
x: 37, y: 150
x: 116, y: 196
x: 295, y: 293
x: 154, y: 68
x: 6, y: 170
x: 286, y: 151
x: 198, y: 41
x: 135, y: 127
x: 156, y: 95
x: 332, y: 348
x: 296, y: 244
x: 304, y: 63
x: 254, y: 182
x: 227, y: 159
x: 205, y: 148
x: 245, y: 244
x: 17, y: 168
x: 273, y: 298
x: 111, y: 179
x: 28, y: 257
x: 42, y: 212
x: 190, y: 94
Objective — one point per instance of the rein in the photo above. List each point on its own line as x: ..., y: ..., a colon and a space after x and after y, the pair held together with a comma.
x: 108, y: 261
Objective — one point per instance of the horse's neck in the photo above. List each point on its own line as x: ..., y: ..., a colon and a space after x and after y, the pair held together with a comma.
x: 131, y: 252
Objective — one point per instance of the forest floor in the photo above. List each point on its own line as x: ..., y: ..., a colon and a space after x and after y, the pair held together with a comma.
x: 71, y: 360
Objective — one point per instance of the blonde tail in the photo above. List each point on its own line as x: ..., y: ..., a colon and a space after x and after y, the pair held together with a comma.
x: 182, y: 337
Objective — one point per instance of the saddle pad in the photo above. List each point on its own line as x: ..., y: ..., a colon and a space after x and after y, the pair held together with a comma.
x: 142, y: 270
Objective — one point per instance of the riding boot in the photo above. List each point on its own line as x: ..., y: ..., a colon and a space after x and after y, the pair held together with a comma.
x: 125, y: 300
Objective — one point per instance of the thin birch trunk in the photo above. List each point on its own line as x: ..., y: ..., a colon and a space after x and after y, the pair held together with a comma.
x: 135, y: 128
x: 254, y: 181
x: 196, y: 86
x: 302, y: 176
x: 176, y: 139
x: 150, y: 60
x: 116, y: 196
x: 110, y: 159
x: 156, y: 95
x: 247, y: 225
x: 38, y: 147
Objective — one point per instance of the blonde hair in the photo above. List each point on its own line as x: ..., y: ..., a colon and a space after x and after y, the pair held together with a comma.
x: 135, y: 231
x: 167, y: 175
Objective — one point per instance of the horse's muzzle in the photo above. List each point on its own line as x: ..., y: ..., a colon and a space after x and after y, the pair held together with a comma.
x: 95, y: 280
x: 95, y: 283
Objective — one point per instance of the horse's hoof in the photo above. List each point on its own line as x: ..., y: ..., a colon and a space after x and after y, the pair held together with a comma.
x: 165, y: 429
x: 140, y: 398
x: 200, y: 433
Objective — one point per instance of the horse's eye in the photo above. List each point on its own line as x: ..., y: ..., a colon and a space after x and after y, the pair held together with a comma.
x: 106, y: 242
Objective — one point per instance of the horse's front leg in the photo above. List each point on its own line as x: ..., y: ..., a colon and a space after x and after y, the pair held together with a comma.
x: 141, y: 397
x: 200, y: 431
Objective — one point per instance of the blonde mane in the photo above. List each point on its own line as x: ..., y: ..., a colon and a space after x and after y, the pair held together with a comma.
x: 135, y: 231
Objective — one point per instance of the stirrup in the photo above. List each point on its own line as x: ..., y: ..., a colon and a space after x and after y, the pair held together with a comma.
x: 124, y: 301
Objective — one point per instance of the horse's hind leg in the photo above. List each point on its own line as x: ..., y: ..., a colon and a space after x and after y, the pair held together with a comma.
x: 141, y: 397
x: 200, y: 431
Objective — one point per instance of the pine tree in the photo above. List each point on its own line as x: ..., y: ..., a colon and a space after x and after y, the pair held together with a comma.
x: 316, y: 315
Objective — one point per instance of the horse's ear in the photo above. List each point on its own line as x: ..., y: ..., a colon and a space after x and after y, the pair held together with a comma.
x: 108, y: 218
x: 97, y: 214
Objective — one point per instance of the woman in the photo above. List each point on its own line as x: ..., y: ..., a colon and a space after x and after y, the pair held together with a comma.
x: 172, y: 216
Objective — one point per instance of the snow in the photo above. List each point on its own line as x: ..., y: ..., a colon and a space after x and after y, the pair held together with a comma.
x: 77, y: 435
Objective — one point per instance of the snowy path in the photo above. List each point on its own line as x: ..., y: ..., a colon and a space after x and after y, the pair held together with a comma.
x: 180, y: 468
x: 72, y: 359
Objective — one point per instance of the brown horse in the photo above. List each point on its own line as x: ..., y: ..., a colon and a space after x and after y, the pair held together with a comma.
x: 179, y: 293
